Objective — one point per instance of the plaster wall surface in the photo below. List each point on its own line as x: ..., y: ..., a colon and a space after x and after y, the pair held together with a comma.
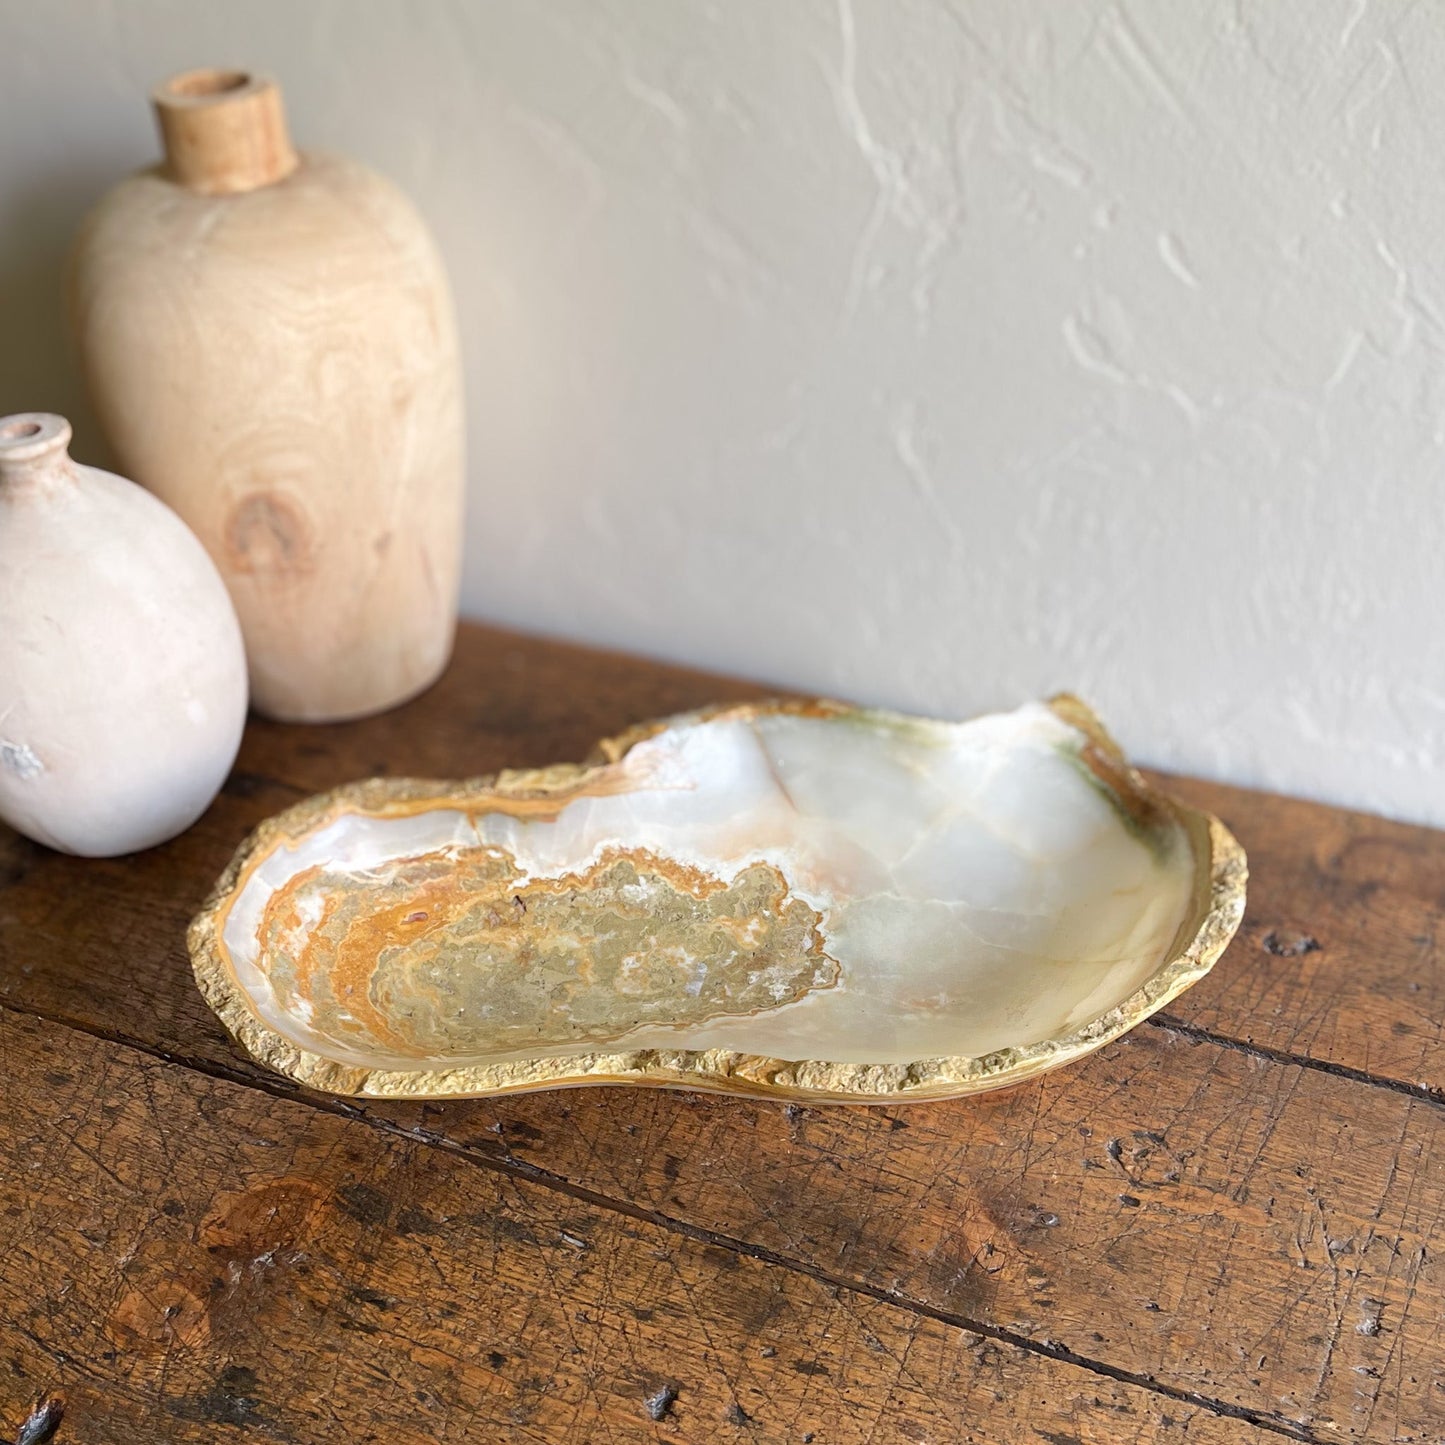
x: 932, y: 353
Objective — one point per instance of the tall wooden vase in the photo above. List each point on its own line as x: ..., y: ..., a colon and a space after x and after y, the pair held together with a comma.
x: 269, y: 341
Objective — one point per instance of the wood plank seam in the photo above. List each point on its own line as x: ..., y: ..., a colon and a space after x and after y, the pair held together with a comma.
x: 1423, y: 1092
x: 511, y: 1166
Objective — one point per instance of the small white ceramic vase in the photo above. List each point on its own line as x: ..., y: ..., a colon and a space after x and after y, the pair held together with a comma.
x: 122, y: 672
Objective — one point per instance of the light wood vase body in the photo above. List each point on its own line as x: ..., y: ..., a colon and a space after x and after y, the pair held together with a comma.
x: 270, y: 345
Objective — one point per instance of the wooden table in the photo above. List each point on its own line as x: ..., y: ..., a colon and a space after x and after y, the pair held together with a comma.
x: 1218, y: 1229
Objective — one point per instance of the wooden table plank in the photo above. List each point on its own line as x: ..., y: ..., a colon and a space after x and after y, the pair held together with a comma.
x: 187, y: 1260
x: 1340, y: 956
x: 1242, y: 1247
x: 1225, y: 1282
x: 1245, y: 1231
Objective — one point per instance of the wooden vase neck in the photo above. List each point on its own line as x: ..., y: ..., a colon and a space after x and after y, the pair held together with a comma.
x: 224, y: 131
x: 33, y: 449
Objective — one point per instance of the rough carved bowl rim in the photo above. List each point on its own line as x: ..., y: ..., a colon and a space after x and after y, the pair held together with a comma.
x: 1220, y: 880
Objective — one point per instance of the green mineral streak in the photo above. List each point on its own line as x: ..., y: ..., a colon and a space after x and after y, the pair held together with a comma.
x: 1159, y: 841
x: 900, y: 727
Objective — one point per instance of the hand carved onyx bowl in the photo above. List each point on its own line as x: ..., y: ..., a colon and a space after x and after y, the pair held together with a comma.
x: 792, y: 900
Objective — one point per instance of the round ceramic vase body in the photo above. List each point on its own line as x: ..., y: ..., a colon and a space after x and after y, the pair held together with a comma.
x: 122, y: 672
x: 270, y: 345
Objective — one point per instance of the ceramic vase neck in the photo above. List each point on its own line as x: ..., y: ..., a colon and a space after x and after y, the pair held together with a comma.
x: 224, y: 131
x: 33, y: 450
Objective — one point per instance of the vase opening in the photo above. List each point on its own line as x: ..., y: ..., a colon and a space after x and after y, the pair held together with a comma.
x: 201, y: 84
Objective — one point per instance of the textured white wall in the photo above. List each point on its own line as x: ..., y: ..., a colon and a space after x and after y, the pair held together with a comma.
x: 934, y: 354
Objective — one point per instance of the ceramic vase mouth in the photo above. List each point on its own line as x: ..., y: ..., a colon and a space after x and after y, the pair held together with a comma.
x: 28, y: 437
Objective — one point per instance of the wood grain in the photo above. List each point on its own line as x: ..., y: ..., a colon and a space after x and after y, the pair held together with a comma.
x: 1194, y: 1208
x: 224, y: 131
x: 188, y: 1260
x: 271, y: 349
